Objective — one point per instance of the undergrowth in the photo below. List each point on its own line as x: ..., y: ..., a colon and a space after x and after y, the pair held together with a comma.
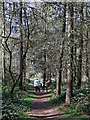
x: 79, y: 106
x: 17, y: 105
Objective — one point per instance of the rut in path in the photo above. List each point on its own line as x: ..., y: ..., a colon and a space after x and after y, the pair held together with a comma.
x: 41, y: 109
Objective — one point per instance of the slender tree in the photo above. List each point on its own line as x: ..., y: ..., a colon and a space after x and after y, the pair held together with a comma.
x: 24, y: 60
x: 81, y: 48
x: 59, y: 72
x: 21, y: 48
x: 45, y: 32
x: 70, y: 38
x: 87, y: 41
x: 3, y: 57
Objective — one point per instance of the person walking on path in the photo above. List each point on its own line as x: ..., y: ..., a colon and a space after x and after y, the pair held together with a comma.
x: 44, y: 85
x: 36, y: 85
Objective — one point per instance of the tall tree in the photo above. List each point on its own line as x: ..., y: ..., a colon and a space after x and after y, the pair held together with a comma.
x: 24, y: 60
x: 44, y: 72
x: 87, y: 41
x: 21, y: 48
x: 59, y: 74
x: 45, y: 32
x: 81, y: 48
x: 3, y: 56
x: 70, y: 38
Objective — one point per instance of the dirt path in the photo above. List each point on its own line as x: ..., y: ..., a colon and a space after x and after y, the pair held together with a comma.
x: 41, y: 109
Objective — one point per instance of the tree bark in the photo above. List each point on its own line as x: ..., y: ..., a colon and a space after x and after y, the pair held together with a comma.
x: 81, y: 49
x: 45, y: 31
x: 59, y: 72
x: 44, y: 74
x: 70, y: 72
x: 50, y: 73
x: 87, y: 49
x: 21, y: 49
x: 24, y: 60
x: 3, y: 55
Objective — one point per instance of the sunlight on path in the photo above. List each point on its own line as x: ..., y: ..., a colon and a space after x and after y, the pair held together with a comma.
x: 41, y: 109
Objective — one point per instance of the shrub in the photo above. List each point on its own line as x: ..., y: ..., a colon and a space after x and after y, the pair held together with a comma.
x: 15, y: 106
x: 56, y: 100
x: 80, y: 101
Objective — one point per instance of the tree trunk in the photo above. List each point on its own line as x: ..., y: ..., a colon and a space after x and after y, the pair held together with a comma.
x: 59, y: 72
x: 45, y: 31
x: 21, y: 49
x: 75, y: 48
x: 81, y: 49
x: 24, y: 60
x: 50, y: 74
x: 70, y: 37
x: 44, y: 74
x: 87, y: 49
x: 3, y: 55
x: 58, y: 92
x: 75, y: 64
x: 24, y: 72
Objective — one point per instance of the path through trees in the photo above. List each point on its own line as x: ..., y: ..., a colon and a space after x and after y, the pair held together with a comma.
x: 41, y: 108
x: 49, y: 41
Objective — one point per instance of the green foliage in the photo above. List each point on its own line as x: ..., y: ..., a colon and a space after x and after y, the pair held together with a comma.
x: 80, y: 101
x: 52, y: 85
x: 31, y: 94
x: 28, y: 86
x: 26, y: 102
x: 49, y: 92
x: 28, y: 80
x: 32, y: 74
x: 70, y: 110
x: 22, y: 115
x: 60, y: 109
x: 72, y: 113
x: 80, y: 106
x: 56, y: 100
x: 16, y: 105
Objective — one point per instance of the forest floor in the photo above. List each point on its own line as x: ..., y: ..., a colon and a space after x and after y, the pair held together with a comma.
x: 41, y: 108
